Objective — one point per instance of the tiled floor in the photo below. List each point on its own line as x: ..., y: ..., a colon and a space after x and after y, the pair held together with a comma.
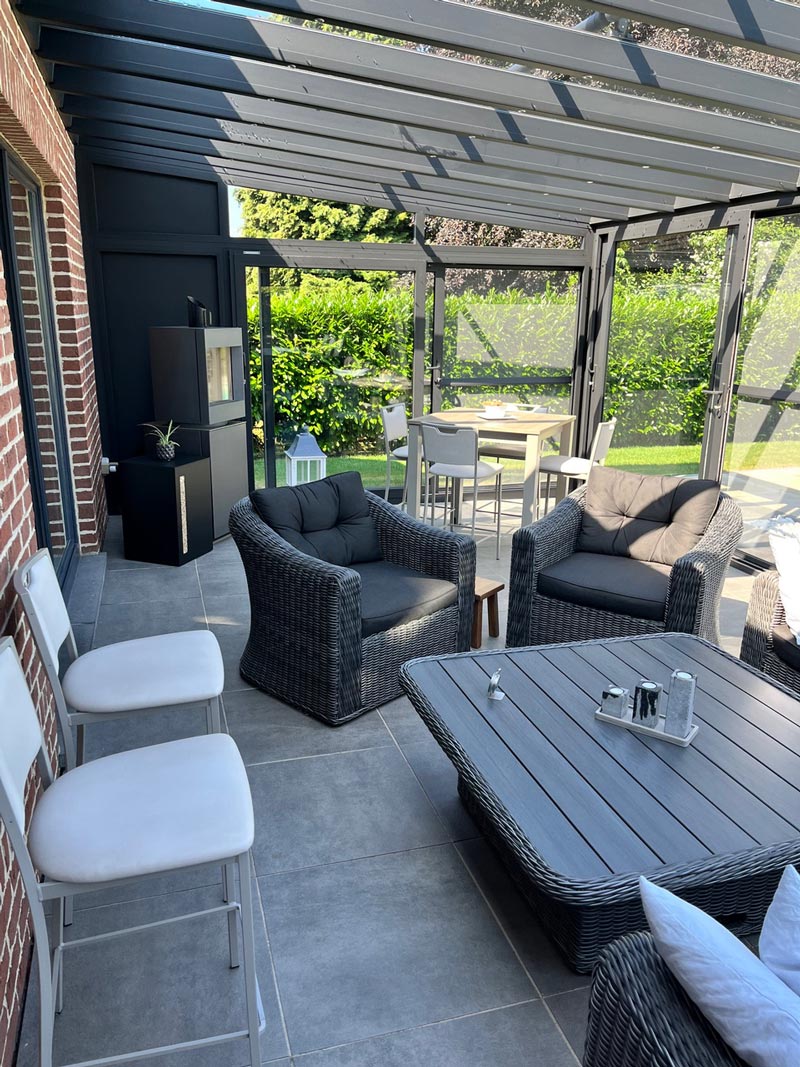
x: 389, y: 934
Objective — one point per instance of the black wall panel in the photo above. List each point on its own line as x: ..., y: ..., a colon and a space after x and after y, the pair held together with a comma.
x: 141, y: 290
x: 131, y: 201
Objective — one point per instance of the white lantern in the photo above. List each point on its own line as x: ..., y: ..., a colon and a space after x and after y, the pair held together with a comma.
x: 305, y: 460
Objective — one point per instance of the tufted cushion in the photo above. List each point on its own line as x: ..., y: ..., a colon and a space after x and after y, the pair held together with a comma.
x: 645, y: 517
x: 328, y: 519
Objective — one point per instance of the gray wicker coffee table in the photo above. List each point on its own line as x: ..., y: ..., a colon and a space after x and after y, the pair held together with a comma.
x: 579, y: 809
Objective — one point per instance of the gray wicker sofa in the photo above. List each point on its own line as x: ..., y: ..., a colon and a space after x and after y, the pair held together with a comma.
x: 639, y: 1016
x: 344, y: 588
x: 767, y: 642
x: 596, y: 568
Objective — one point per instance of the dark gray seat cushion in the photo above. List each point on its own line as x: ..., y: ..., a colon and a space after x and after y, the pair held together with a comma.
x: 611, y: 583
x: 328, y: 519
x: 392, y: 595
x: 644, y: 516
x: 786, y: 647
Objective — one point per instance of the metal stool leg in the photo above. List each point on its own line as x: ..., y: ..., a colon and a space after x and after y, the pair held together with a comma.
x: 498, y: 493
x: 249, y: 956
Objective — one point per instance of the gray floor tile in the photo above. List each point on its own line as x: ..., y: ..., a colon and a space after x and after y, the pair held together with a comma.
x: 522, y: 1036
x: 440, y: 781
x: 572, y: 1012
x: 403, y: 721
x: 151, y: 585
x: 383, y: 944
x: 225, y: 551
x: 324, y: 809
x: 229, y: 621
x: 266, y: 730
x: 540, y: 956
x: 156, y: 886
x: 84, y: 636
x: 158, y: 986
x: 124, y: 622
x: 224, y: 579
x: 87, y: 588
x: 144, y: 728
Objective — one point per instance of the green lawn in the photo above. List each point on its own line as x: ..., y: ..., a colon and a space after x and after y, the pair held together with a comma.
x: 645, y: 459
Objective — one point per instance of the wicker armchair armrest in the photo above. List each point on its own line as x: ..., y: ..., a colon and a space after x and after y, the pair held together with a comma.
x: 640, y: 1017
x: 298, y: 603
x: 696, y: 579
x: 414, y: 544
x: 534, y: 548
x: 764, y: 612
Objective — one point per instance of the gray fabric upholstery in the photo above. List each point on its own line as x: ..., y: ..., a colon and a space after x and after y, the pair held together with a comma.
x: 392, y: 596
x: 645, y: 517
x: 328, y: 519
x: 612, y: 583
x: 785, y: 646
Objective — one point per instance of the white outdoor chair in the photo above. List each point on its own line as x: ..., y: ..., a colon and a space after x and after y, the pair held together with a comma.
x: 576, y: 466
x: 395, y: 428
x: 149, y: 811
x: 451, y: 453
x: 120, y: 679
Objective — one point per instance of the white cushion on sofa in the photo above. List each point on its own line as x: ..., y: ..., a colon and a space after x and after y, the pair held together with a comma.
x: 751, y: 1008
x: 784, y: 540
x: 779, y: 944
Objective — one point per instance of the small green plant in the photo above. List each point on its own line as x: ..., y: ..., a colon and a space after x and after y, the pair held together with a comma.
x: 165, y: 439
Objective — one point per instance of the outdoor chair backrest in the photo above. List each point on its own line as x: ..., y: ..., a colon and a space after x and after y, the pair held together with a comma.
x: 456, y: 445
x: 21, y: 738
x: 36, y: 584
x: 602, y: 441
x: 395, y: 423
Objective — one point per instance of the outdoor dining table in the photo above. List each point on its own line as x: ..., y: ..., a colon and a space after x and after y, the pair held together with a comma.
x: 532, y: 427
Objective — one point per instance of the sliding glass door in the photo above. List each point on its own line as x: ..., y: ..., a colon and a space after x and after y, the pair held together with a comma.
x: 27, y: 272
x: 762, y: 452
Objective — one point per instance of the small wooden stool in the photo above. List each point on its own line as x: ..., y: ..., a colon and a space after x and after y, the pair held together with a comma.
x: 485, y: 589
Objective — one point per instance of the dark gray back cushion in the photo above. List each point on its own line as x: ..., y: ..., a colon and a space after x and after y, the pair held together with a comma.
x: 328, y: 519
x: 645, y: 517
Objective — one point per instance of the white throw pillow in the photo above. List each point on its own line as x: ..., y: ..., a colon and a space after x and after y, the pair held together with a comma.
x: 753, y: 1010
x: 784, y: 540
x: 779, y: 944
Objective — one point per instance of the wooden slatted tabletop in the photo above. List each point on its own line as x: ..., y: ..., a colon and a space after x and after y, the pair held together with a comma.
x: 581, y: 808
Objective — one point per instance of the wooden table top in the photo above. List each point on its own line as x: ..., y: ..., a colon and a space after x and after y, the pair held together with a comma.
x: 518, y: 424
x: 597, y: 801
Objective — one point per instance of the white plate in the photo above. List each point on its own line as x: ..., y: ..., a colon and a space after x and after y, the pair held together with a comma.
x: 492, y: 418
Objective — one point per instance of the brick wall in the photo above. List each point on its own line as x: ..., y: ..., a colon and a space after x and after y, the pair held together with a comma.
x: 31, y: 129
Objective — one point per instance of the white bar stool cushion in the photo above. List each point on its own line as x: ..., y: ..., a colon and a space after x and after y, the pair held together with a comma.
x: 152, y: 809
x: 149, y: 672
x: 401, y: 452
x: 573, y: 465
x: 456, y: 470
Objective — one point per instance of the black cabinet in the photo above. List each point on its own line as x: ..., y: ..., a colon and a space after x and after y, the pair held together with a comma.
x: 166, y: 509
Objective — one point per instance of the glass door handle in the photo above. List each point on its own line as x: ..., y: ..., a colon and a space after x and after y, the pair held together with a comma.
x: 714, y: 400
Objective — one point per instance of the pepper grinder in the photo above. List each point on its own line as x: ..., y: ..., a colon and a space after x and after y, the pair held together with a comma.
x: 680, y: 704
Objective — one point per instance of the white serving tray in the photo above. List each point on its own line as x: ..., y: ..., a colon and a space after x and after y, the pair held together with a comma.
x: 649, y: 731
x: 492, y: 418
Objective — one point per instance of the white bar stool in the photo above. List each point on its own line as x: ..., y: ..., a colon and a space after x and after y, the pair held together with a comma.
x: 395, y: 428
x: 576, y: 466
x: 120, y: 818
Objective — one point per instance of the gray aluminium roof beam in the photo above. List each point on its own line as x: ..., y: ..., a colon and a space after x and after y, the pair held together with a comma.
x: 764, y: 25
x: 110, y: 118
x: 388, y: 132
x: 259, y: 38
x: 357, y: 192
x: 519, y: 39
x: 333, y: 93
x: 307, y: 165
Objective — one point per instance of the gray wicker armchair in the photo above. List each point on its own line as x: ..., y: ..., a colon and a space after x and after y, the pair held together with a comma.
x: 639, y: 1016
x: 767, y: 642
x: 306, y: 645
x: 693, y: 583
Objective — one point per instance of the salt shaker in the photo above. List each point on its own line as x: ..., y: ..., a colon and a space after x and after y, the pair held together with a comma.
x: 615, y: 701
x: 646, y: 703
x: 680, y: 704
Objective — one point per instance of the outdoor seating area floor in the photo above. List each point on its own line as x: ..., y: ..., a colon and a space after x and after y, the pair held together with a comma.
x: 389, y: 933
